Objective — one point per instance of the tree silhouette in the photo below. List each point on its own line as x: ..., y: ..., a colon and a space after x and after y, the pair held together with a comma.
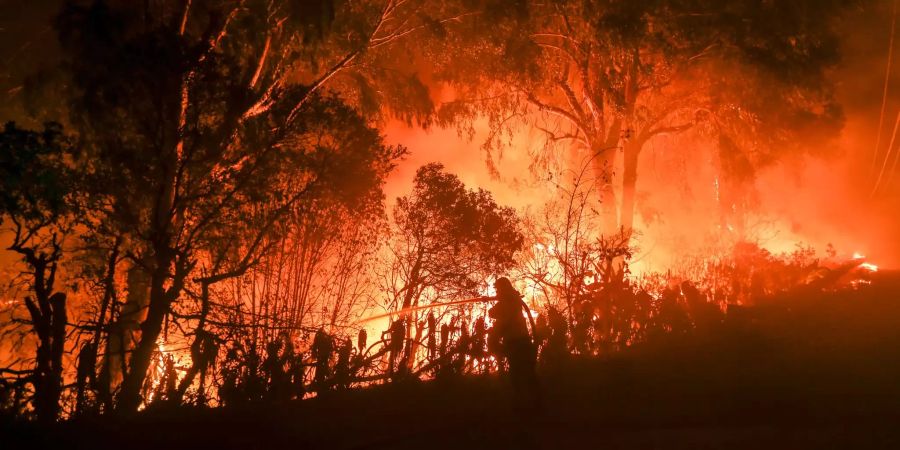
x: 448, y: 240
x: 38, y: 198
x: 200, y: 141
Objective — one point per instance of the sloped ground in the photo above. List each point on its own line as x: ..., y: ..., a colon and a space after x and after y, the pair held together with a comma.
x: 811, y: 373
x: 609, y: 409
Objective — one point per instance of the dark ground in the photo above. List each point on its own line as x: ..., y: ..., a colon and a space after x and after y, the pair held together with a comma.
x: 621, y: 406
x: 819, y: 373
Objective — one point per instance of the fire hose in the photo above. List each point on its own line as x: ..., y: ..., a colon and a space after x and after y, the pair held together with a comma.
x: 484, y: 299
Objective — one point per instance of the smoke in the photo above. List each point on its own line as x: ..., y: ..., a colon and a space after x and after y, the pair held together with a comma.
x: 815, y: 199
x: 800, y: 199
x: 516, y: 185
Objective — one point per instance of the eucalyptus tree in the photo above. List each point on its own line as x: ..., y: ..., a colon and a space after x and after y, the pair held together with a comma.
x: 197, y: 116
x: 39, y: 208
x: 602, y: 78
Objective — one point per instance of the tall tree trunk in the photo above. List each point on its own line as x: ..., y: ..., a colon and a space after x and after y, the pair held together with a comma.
x: 603, y: 162
x: 124, y: 333
x: 160, y: 301
x: 410, y: 299
x: 164, y: 221
x: 735, y: 186
x: 100, y: 384
x: 629, y: 183
x: 49, y: 320
x: 200, y: 349
x: 624, y: 220
x: 632, y: 151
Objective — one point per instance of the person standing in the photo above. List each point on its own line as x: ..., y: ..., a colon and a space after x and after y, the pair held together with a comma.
x: 514, y: 343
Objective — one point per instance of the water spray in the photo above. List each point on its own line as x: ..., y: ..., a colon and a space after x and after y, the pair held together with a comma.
x: 411, y: 309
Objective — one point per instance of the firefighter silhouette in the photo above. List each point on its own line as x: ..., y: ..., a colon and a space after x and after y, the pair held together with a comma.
x: 343, y: 372
x: 361, y: 339
x: 322, y: 349
x: 396, y: 336
x: 510, y: 341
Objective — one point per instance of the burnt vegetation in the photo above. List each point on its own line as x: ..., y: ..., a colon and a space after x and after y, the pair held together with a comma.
x: 192, y: 196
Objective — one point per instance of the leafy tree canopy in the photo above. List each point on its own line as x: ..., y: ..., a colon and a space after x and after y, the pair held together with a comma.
x: 455, y: 236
